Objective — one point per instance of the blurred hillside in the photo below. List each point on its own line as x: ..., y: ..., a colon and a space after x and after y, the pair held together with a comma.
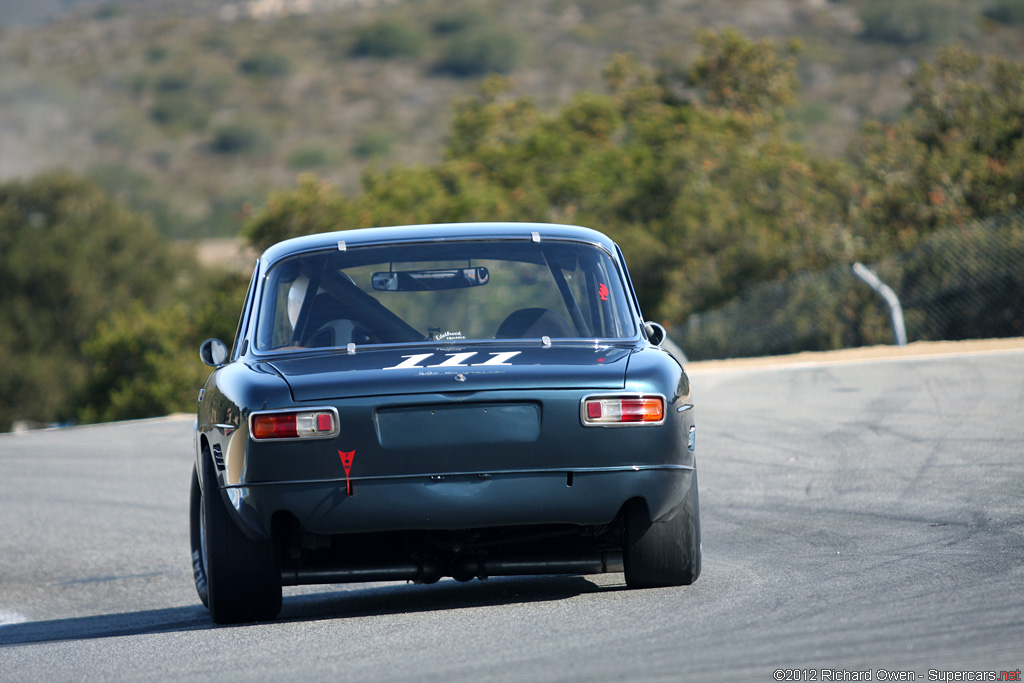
x: 26, y: 12
x: 191, y: 111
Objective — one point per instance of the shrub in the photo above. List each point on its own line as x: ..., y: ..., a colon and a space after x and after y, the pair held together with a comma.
x: 386, y: 39
x: 1006, y: 12
x: 238, y: 138
x: 478, y: 53
x: 372, y: 143
x: 107, y: 11
x: 914, y: 21
x: 308, y: 156
x: 265, y: 65
x: 179, y: 112
x: 173, y: 81
x: 157, y: 53
x: 457, y: 20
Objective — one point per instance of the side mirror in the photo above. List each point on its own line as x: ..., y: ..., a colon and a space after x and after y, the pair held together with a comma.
x: 213, y: 352
x: 656, y: 334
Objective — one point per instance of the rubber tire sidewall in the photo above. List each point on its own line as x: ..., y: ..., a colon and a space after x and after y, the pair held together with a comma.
x: 196, y: 538
x: 663, y: 553
x: 243, y: 576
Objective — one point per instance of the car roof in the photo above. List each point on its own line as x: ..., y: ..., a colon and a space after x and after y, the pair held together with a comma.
x: 342, y: 239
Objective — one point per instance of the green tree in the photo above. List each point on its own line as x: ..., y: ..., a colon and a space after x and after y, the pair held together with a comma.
x: 452, y: 191
x: 706, y: 195
x: 143, y: 363
x: 697, y: 175
x: 69, y: 257
x: 957, y: 156
x: 102, y: 317
x: 313, y: 206
x: 733, y: 73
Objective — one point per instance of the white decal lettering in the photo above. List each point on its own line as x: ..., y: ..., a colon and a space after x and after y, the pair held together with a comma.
x: 499, y: 358
x: 410, y: 361
x: 455, y: 360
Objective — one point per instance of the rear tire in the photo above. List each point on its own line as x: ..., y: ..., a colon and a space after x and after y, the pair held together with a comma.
x: 197, y: 538
x: 663, y: 553
x: 238, y: 579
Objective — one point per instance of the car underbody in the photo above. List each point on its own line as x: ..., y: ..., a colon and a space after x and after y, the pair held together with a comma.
x: 427, y: 556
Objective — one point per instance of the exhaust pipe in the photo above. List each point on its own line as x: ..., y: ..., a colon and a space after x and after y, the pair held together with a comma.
x: 466, y: 568
x: 426, y: 570
x: 463, y: 568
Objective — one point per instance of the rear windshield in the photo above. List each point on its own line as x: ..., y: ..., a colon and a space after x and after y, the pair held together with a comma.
x: 443, y: 292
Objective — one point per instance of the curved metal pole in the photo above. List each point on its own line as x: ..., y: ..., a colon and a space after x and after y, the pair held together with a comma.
x: 899, y: 330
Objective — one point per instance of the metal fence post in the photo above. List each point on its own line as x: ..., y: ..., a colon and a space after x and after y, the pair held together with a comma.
x: 899, y: 330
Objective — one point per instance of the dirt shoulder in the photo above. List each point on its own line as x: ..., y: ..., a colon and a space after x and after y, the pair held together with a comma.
x: 863, y: 354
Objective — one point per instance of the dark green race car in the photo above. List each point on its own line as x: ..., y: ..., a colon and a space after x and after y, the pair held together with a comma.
x: 431, y: 401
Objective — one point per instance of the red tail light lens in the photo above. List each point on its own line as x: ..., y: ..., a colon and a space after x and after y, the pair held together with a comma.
x: 622, y: 410
x: 306, y: 424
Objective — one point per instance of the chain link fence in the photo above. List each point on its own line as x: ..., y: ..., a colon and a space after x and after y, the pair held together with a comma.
x: 958, y: 283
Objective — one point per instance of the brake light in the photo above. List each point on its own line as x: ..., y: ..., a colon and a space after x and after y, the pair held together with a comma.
x: 622, y: 410
x: 316, y: 424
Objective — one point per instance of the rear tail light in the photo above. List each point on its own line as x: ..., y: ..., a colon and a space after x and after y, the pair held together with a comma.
x: 320, y: 423
x: 597, y: 411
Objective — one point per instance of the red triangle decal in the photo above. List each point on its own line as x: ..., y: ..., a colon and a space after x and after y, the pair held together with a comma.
x: 346, y: 462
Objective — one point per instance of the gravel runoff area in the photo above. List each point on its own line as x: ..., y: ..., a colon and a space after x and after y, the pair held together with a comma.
x: 923, y: 349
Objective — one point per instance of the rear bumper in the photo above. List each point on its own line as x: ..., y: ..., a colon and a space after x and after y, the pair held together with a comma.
x: 460, y: 501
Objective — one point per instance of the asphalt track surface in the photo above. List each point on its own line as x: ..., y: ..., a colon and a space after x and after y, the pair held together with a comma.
x: 857, y: 516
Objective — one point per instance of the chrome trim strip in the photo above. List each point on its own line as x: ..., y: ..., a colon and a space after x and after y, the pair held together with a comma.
x: 483, y: 474
x: 227, y: 429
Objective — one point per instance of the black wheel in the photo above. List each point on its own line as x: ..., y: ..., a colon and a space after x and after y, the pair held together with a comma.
x: 198, y: 538
x: 663, y: 553
x: 237, y: 578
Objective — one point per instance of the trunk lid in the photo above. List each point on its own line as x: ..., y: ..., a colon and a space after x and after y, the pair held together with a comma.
x: 419, y: 370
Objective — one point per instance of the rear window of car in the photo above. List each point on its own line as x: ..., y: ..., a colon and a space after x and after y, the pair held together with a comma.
x: 450, y: 291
